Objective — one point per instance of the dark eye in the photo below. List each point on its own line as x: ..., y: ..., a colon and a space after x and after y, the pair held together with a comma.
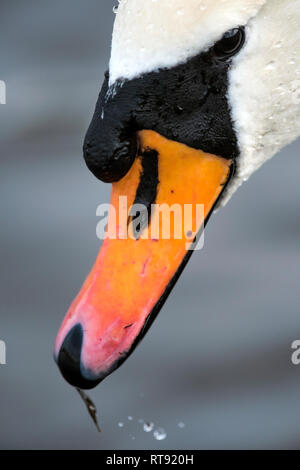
x: 230, y: 44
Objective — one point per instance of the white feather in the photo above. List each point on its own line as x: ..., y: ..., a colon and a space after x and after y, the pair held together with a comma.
x: 150, y: 34
x: 264, y: 87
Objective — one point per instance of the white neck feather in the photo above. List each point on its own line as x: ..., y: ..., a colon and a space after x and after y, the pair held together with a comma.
x: 265, y: 87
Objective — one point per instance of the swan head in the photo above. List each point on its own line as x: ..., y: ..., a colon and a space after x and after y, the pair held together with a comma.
x: 199, y: 94
x: 263, y: 90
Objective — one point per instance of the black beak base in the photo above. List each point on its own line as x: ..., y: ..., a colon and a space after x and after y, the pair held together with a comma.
x: 110, y: 145
x: 187, y: 103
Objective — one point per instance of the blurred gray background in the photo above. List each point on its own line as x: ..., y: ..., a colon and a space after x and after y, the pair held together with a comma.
x: 218, y: 357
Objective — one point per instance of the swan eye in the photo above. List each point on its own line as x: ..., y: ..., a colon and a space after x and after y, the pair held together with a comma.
x: 230, y: 44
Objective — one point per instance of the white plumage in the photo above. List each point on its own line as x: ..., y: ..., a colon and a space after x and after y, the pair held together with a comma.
x: 150, y: 34
x: 264, y: 87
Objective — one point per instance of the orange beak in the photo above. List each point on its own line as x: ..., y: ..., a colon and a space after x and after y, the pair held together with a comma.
x: 135, y: 272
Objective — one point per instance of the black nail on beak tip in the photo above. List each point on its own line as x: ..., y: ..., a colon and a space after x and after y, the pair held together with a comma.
x: 69, y: 360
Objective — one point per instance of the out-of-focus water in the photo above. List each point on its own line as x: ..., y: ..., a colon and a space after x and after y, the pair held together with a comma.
x: 218, y: 358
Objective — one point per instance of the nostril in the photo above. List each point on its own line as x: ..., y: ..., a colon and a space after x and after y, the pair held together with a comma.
x: 69, y: 359
x: 121, y: 152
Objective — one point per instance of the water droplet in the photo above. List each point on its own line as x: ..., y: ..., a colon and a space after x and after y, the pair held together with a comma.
x: 270, y: 65
x: 181, y: 425
x: 148, y: 427
x: 160, y: 434
x: 121, y: 425
x: 130, y: 418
